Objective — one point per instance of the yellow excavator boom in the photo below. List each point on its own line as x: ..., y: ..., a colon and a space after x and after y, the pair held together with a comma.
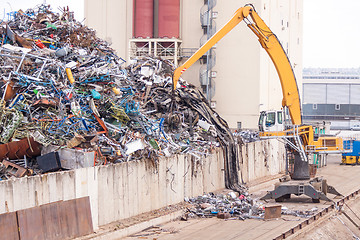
x: 270, y: 43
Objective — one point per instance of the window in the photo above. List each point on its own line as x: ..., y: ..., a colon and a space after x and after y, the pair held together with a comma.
x: 314, y: 106
x: 270, y: 119
x: 238, y: 125
x: 337, y: 106
x: 279, y: 115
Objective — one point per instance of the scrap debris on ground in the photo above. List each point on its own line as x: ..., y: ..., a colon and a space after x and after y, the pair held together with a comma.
x: 299, y: 213
x: 68, y: 101
x: 230, y: 205
x: 234, y: 206
x: 154, y: 230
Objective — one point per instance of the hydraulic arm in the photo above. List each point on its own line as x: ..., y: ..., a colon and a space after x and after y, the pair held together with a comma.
x: 270, y: 43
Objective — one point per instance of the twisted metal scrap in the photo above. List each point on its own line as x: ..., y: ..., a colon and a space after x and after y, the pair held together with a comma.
x: 191, y: 97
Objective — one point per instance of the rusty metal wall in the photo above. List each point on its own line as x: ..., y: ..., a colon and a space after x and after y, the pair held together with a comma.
x: 57, y: 220
x: 8, y: 226
x: 31, y: 224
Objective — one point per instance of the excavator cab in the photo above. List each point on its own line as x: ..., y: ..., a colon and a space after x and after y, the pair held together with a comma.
x: 270, y: 121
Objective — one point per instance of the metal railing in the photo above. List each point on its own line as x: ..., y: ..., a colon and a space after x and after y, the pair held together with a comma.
x: 156, y: 47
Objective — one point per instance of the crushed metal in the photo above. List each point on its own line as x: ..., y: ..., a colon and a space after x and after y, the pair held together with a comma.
x: 233, y: 206
x: 225, y: 206
x: 246, y: 136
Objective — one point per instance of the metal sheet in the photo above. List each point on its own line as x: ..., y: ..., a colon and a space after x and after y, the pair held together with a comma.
x: 68, y: 218
x: 272, y: 212
x: 8, y: 226
x: 75, y: 217
x: 58, y: 220
x: 31, y: 225
x: 52, y: 221
x: 83, y: 214
x: 10, y: 33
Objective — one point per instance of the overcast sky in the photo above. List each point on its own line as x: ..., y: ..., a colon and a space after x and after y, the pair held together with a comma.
x: 13, y: 5
x: 331, y: 33
x: 331, y: 28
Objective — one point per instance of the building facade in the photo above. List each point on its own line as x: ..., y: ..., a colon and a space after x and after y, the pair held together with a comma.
x: 332, y: 95
x: 237, y: 75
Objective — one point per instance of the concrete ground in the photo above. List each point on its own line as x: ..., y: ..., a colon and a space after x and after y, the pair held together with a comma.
x: 344, y: 178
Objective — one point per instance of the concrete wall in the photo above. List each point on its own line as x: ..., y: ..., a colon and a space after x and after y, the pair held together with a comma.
x: 261, y: 159
x: 127, y: 189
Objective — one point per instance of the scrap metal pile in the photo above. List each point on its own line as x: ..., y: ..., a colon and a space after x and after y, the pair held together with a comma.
x: 234, y: 206
x: 246, y: 136
x: 67, y: 97
x: 224, y: 206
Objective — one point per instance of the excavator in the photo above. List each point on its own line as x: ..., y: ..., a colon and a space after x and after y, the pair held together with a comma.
x: 300, y: 139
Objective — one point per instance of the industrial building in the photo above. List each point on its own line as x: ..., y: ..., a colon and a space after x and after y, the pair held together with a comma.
x: 237, y: 76
x: 331, y: 94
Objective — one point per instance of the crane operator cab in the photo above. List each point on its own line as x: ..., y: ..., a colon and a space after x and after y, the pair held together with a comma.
x: 271, y: 121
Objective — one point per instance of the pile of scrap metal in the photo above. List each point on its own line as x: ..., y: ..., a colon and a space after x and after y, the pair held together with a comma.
x: 224, y: 206
x: 68, y: 101
x: 246, y: 136
x: 231, y: 205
